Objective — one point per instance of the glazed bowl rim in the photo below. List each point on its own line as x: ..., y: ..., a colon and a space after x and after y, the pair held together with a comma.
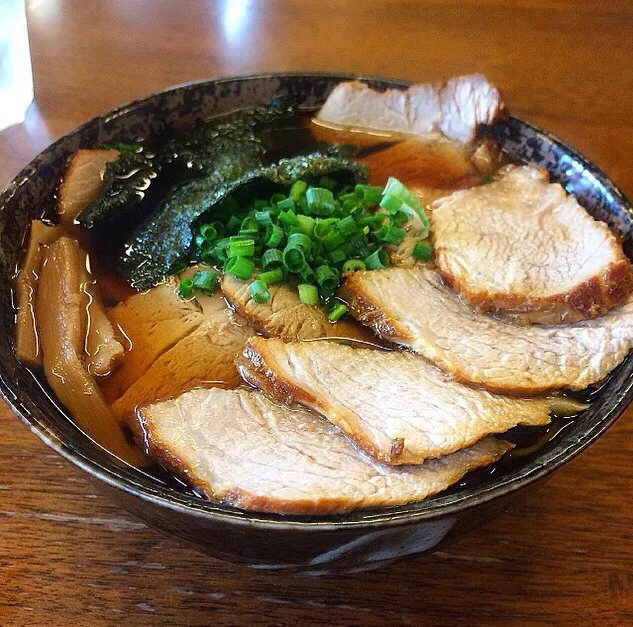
x: 378, y: 517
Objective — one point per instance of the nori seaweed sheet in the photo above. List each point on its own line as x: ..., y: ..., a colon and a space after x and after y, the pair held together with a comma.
x: 137, y: 181
x: 126, y: 181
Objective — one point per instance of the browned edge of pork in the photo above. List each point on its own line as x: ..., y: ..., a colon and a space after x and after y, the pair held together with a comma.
x: 366, y: 311
x: 258, y: 369
x: 254, y: 368
x: 591, y: 299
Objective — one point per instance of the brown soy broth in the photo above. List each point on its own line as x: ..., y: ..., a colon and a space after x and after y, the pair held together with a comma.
x: 430, y: 168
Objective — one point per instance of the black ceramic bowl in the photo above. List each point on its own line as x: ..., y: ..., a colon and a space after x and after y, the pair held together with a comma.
x: 358, y: 541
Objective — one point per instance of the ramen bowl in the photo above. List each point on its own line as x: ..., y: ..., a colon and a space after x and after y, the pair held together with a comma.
x: 364, y: 539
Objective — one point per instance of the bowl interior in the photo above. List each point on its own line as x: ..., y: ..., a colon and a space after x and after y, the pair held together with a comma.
x: 33, y: 191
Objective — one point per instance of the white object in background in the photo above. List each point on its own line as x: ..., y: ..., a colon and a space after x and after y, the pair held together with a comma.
x: 16, y: 78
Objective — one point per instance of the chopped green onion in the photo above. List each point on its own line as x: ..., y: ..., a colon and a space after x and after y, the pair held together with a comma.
x: 240, y: 247
x: 260, y: 205
x: 327, y: 278
x: 209, y: 232
x: 219, y: 227
x: 217, y: 252
x: 371, y: 194
x: 298, y: 189
x: 249, y: 224
x: 263, y: 217
x: 337, y: 312
x: 377, y: 220
x: 289, y: 218
x: 390, y: 234
x: 359, y: 245
x: 307, y: 275
x: 206, y: 281
x: 349, y: 197
x: 287, y: 204
x: 249, y: 233
x: 391, y: 203
x: 275, y: 199
x: 395, y: 188
x: 311, y: 227
x: 347, y: 226
x: 410, y: 204
x: 320, y: 200
x: 337, y: 256
x: 377, y: 260
x: 347, y: 248
x: 322, y: 229
x: 274, y: 236
x: 399, y: 219
x: 300, y: 240
x: 272, y: 276
x: 272, y: 258
x: 349, y: 206
x: 353, y: 265
x: 422, y: 251
x: 333, y: 240
x: 259, y: 292
x: 294, y: 259
x: 233, y: 225
x: 185, y: 288
x: 308, y: 294
x: 306, y: 224
x: 241, y: 267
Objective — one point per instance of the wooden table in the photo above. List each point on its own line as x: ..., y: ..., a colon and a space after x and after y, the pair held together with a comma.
x: 565, y: 556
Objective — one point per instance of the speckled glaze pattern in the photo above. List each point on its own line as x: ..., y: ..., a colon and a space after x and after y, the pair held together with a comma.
x: 313, y: 545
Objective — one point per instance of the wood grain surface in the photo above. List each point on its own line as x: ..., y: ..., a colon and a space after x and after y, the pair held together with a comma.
x: 564, y: 556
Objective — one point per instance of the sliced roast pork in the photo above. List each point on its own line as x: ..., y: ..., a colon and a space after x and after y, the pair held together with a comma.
x: 82, y: 182
x: 150, y: 323
x: 395, y: 406
x: 522, y: 248
x: 455, y: 109
x: 204, y: 357
x: 239, y: 447
x: 284, y: 315
x: 412, y: 307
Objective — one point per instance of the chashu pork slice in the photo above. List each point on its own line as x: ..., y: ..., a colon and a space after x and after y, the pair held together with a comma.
x: 395, y: 406
x: 284, y: 315
x: 204, y: 357
x: 238, y: 447
x: 522, y: 248
x: 412, y: 307
x: 455, y: 109
x: 150, y: 323
x: 83, y: 182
